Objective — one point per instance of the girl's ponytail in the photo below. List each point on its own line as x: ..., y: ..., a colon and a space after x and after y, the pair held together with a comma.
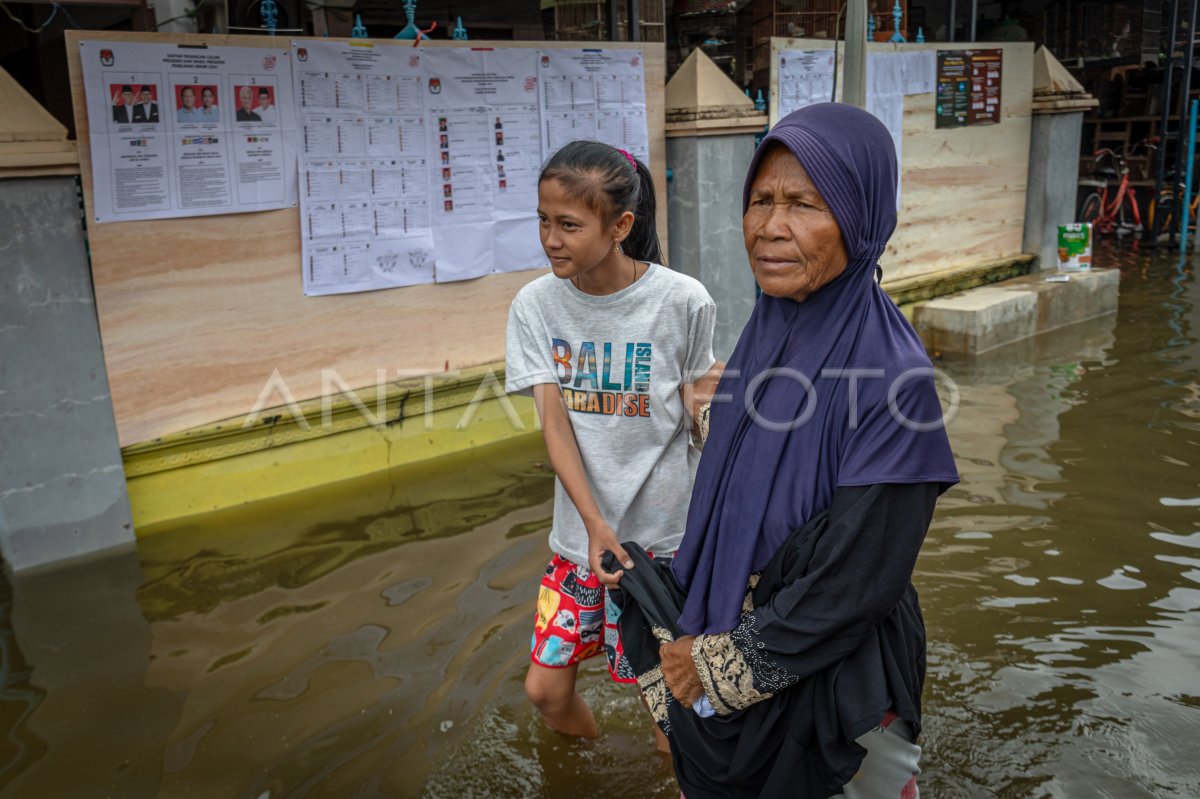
x: 642, y: 241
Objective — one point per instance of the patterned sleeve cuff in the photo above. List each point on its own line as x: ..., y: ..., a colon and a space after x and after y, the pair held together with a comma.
x: 735, y: 668
x: 725, y: 674
x: 702, y: 421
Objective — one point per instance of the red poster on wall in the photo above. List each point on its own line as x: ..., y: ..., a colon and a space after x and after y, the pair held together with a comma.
x: 985, y: 87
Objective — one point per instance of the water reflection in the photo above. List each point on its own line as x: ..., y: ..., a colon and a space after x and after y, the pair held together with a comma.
x: 19, y: 698
x: 370, y: 639
x: 94, y: 726
x: 1062, y: 666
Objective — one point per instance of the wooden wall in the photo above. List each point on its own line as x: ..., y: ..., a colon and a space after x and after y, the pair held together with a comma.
x: 962, y: 189
x: 197, y: 314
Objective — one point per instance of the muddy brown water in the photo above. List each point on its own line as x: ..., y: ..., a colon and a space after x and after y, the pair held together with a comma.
x: 369, y: 639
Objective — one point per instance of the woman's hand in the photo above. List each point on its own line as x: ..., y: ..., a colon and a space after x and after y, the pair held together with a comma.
x: 679, y: 670
x: 601, y: 539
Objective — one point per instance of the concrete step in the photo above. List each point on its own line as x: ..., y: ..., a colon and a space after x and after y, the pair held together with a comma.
x: 987, y: 317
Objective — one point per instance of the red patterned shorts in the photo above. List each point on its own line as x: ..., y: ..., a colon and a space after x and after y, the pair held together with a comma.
x: 576, y: 620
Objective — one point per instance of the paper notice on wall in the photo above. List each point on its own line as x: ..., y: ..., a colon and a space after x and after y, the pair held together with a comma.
x: 920, y: 71
x: 412, y: 159
x: 594, y: 94
x: 179, y: 130
x: 969, y: 86
x: 885, y: 73
x: 805, y: 78
x: 889, y: 109
x: 364, y: 170
x: 485, y: 120
x: 885, y: 100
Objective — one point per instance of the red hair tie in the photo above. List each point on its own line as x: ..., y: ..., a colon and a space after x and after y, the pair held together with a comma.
x: 628, y: 157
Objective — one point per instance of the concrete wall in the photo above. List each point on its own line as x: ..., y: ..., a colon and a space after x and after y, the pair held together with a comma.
x: 987, y: 317
x: 62, y: 486
x: 704, y: 212
x: 1053, y: 183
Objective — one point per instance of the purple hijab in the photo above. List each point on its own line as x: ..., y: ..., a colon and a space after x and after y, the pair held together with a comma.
x: 756, y: 484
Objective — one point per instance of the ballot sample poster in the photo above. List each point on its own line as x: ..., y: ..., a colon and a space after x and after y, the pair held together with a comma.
x: 594, y: 94
x: 420, y: 165
x: 805, y: 78
x: 364, y: 167
x: 188, y: 130
x: 482, y: 110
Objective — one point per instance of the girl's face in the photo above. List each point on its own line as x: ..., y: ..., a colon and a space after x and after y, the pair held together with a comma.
x: 575, y: 238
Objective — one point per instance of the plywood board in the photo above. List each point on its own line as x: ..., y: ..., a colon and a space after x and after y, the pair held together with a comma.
x: 197, y: 314
x: 963, y: 189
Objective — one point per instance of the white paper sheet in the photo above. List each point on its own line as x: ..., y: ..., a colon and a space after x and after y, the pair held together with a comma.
x: 885, y: 99
x: 920, y: 71
x: 593, y: 94
x: 420, y: 165
x: 179, y: 130
x: 805, y: 78
x: 885, y: 73
x: 519, y: 245
x: 364, y: 171
x: 464, y: 251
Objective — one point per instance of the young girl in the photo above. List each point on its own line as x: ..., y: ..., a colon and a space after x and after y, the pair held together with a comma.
x: 609, y: 345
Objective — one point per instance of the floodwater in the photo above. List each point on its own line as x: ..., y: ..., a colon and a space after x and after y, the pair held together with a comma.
x: 370, y: 639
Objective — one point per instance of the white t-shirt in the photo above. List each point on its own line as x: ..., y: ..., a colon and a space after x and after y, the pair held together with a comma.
x: 620, y: 360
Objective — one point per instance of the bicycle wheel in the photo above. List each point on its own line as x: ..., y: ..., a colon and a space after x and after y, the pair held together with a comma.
x: 1162, y: 216
x: 1089, y: 211
x: 1128, y: 219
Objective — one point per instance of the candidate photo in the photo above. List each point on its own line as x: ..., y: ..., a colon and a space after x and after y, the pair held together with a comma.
x: 265, y: 108
x: 245, y: 107
x: 196, y: 104
x: 134, y: 104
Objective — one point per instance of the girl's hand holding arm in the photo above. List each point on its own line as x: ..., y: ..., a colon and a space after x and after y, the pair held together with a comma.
x: 700, y: 393
x: 563, y: 450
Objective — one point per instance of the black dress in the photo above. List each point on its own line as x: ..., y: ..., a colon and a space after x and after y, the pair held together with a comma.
x: 830, y: 638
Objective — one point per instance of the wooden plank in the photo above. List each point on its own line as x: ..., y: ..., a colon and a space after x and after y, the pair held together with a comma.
x: 24, y: 119
x: 962, y: 193
x: 197, y: 314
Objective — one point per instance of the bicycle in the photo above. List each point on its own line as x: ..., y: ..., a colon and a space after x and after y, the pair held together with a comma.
x: 1165, y: 204
x: 1122, y: 215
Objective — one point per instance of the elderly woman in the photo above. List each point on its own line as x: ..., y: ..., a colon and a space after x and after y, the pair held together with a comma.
x: 789, y: 611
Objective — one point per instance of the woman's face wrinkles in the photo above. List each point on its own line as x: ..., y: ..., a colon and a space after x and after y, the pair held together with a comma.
x: 792, y: 239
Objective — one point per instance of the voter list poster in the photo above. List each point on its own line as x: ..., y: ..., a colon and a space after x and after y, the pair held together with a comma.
x: 421, y: 164
x: 594, y: 94
x: 182, y: 130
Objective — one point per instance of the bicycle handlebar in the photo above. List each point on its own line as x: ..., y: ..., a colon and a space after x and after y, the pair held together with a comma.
x: 1149, y: 143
